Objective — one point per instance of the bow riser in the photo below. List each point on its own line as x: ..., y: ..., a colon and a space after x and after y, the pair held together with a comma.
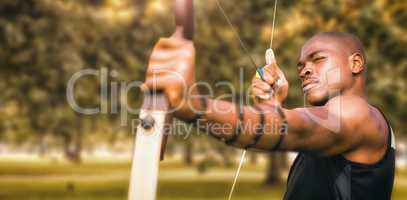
x: 152, y: 132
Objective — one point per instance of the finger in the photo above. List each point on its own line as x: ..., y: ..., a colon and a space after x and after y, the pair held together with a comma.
x: 282, y: 80
x: 163, y: 55
x: 158, y: 82
x: 258, y: 93
x: 167, y: 55
x: 271, y: 73
x: 161, y: 67
x: 156, y: 72
x: 264, y: 96
x: 171, y: 42
x: 269, y: 78
x: 270, y: 69
x: 262, y: 85
x: 269, y: 101
x: 256, y: 79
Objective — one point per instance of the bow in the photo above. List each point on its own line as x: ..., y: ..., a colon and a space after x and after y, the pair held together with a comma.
x: 155, y: 120
x: 152, y: 132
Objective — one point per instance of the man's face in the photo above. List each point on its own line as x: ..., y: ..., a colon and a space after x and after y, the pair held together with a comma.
x: 324, y: 69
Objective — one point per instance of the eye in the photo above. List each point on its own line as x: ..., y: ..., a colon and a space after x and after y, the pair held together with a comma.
x: 300, y: 67
x: 318, y: 59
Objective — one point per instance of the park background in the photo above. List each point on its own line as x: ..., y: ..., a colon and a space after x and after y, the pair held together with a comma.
x: 48, y: 151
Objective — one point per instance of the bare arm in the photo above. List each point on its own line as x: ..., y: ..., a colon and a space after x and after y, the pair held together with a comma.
x: 324, y: 130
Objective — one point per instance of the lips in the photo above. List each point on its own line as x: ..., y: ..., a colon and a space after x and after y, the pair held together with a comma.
x: 308, y: 85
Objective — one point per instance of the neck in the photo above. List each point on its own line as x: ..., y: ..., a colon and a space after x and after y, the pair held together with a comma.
x: 358, y: 88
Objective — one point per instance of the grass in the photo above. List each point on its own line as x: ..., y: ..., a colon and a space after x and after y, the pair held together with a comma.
x: 108, y: 180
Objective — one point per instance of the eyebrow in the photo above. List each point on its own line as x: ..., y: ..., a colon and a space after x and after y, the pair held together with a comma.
x: 309, y: 56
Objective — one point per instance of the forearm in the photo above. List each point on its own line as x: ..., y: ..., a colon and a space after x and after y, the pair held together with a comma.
x: 260, y: 127
x: 267, y: 127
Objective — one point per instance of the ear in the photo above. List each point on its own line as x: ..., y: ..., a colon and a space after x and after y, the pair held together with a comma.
x: 357, y: 63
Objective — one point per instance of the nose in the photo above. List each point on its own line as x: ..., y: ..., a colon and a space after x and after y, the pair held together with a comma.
x: 305, y: 72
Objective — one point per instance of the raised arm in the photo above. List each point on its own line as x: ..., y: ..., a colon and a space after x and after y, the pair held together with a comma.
x: 324, y: 130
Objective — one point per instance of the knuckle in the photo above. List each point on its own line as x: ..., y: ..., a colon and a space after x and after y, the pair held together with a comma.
x: 163, y: 39
x: 174, y: 96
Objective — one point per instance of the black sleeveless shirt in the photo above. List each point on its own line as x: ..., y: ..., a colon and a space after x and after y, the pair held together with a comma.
x: 336, y: 178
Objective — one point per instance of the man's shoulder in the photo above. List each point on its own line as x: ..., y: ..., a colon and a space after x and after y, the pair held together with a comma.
x: 361, y: 120
x: 352, y: 110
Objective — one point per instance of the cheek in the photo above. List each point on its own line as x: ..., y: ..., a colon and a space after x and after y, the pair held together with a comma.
x: 332, y: 74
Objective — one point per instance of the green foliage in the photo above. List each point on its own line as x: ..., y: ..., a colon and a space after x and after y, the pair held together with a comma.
x: 379, y: 25
x: 44, y: 42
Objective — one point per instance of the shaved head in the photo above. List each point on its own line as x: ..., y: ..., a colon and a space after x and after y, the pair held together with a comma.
x: 347, y: 41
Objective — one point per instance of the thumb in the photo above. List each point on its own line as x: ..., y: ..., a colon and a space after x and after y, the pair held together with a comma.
x: 269, y: 56
x: 271, y: 67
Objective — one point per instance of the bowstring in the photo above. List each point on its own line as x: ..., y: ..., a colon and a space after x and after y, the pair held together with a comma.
x: 237, y: 174
x: 242, y: 158
x: 236, y: 34
x: 274, y: 22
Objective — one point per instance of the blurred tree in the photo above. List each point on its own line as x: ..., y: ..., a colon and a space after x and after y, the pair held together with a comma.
x: 44, y: 42
x: 275, y: 167
x: 188, y: 152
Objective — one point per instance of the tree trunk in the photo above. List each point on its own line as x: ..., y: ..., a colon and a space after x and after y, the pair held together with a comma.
x: 78, y: 146
x: 274, y: 170
x: 73, y: 145
x: 253, y: 158
x: 72, y: 148
x: 188, y: 151
x: 42, y: 145
x: 227, y: 154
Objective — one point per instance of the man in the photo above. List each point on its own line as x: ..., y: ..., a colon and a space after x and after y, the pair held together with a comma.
x: 344, y: 143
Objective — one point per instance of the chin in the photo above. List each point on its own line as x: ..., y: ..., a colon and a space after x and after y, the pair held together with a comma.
x: 317, y: 97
